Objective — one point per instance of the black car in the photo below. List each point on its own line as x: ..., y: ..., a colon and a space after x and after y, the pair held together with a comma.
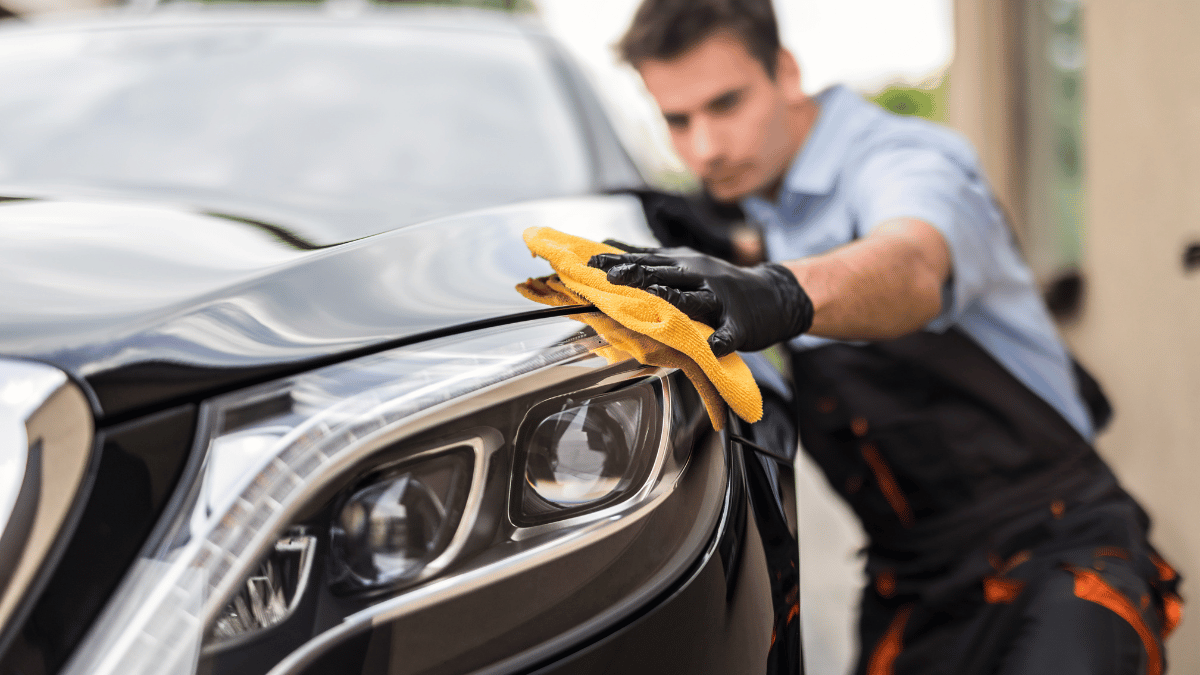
x: 269, y: 402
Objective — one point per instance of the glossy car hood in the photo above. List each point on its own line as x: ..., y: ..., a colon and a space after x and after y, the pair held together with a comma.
x: 151, y: 305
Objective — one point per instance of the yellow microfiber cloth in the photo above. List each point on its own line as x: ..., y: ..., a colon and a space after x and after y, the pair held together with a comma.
x: 640, y: 324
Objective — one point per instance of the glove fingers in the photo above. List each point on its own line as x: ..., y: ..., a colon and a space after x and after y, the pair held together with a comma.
x: 642, y: 276
x: 699, y: 305
x: 607, y: 261
x: 723, y: 341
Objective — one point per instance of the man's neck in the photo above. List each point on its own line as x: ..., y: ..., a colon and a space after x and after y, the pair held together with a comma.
x: 802, y: 117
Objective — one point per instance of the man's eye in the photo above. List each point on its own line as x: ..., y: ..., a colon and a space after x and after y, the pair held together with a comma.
x: 725, y: 103
x: 677, y: 121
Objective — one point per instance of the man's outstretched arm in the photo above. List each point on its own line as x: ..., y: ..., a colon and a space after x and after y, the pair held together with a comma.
x: 885, y: 285
x: 882, y: 286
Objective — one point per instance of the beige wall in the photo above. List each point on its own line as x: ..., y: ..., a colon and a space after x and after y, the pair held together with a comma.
x: 1140, y: 328
x: 985, y: 91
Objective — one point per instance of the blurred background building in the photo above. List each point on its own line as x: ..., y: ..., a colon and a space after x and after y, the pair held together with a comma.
x: 1087, y: 117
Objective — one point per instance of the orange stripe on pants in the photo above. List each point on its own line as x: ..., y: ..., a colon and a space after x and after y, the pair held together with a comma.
x: 1091, y: 586
x: 887, y: 484
x: 890, y: 645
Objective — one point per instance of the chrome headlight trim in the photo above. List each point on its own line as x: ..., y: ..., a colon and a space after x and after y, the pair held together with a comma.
x: 46, y: 433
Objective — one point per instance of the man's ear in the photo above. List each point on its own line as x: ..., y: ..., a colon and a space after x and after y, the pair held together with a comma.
x: 787, y: 76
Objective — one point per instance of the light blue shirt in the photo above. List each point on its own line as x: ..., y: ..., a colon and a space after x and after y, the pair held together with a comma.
x: 861, y: 166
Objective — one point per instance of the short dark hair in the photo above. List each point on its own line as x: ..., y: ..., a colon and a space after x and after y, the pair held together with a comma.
x: 664, y: 29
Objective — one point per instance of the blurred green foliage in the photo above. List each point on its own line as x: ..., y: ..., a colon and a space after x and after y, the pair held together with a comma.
x: 929, y: 102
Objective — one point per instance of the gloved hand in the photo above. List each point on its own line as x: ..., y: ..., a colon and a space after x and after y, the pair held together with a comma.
x: 750, y: 308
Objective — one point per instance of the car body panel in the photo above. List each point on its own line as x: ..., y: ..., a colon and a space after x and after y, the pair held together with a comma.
x: 150, y: 305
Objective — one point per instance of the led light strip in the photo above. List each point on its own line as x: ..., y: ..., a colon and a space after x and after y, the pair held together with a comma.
x: 156, y: 620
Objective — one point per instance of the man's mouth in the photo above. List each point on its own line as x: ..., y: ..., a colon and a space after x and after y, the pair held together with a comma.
x: 728, y: 173
x: 725, y: 177
x: 725, y: 181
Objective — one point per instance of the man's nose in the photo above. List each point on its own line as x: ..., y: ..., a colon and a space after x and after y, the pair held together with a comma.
x: 704, y: 142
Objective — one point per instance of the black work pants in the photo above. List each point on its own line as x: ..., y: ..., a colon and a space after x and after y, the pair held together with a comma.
x: 1080, y: 612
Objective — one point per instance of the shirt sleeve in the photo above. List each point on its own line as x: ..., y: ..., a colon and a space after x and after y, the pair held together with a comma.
x: 928, y: 185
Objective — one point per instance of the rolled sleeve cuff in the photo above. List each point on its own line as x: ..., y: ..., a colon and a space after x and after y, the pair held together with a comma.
x: 928, y: 186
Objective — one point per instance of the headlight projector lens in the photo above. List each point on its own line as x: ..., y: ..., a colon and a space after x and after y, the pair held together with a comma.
x: 587, y: 453
x: 392, y: 527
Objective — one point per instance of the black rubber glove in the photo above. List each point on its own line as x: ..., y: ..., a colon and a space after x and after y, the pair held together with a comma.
x: 750, y: 308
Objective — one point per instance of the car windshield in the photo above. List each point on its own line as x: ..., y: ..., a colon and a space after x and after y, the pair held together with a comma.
x: 331, y: 132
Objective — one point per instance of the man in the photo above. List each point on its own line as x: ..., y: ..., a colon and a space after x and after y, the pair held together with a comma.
x: 933, y: 389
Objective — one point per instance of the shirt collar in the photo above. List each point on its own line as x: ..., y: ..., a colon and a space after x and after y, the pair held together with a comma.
x: 815, y: 169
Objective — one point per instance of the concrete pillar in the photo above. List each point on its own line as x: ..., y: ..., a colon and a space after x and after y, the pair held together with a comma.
x: 986, y: 94
x: 1140, y: 326
x: 1139, y: 329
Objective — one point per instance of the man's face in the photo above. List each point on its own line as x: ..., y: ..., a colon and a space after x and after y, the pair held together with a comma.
x: 728, y: 119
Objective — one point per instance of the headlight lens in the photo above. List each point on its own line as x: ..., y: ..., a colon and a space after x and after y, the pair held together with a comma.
x: 380, y: 440
x: 585, y: 455
x: 389, y: 531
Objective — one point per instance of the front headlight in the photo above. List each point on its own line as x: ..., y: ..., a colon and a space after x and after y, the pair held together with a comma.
x: 357, y: 495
